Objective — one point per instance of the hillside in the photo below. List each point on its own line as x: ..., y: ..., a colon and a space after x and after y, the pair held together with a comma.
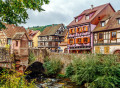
x: 41, y: 28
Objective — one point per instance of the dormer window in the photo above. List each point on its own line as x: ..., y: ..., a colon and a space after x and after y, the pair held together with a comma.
x: 103, y: 23
x: 87, y: 17
x: 76, y: 20
x: 118, y: 20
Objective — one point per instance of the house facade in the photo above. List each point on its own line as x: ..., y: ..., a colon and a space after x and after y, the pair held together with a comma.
x: 18, y: 39
x: 80, y: 36
x: 7, y: 34
x: 51, y: 37
x: 63, y: 45
x: 107, y: 35
x: 34, y: 36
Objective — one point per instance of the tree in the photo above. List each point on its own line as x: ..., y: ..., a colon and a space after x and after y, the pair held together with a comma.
x: 15, y: 11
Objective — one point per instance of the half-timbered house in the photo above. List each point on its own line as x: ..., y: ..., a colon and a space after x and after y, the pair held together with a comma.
x: 51, y: 37
x: 17, y: 38
x: 107, y: 35
x: 80, y: 29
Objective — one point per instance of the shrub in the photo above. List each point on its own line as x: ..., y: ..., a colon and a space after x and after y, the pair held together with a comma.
x: 61, y: 76
x: 52, y: 66
x: 69, y: 70
x: 97, y: 71
x: 14, y: 80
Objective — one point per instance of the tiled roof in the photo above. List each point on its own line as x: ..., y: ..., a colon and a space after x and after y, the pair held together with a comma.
x: 51, y: 30
x: 97, y: 10
x: 12, y: 29
x: 111, y: 24
x: 33, y: 33
x: 18, y: 36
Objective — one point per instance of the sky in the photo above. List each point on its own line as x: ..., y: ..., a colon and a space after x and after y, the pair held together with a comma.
x: 63, y: 11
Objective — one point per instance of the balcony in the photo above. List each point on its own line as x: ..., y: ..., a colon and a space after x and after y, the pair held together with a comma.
x: 53, y: 40
x: 44, y: 46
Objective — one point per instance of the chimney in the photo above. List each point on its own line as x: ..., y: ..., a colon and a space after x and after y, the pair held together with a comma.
x: 92, y: 6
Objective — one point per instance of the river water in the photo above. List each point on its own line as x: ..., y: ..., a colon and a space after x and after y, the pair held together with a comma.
x: 57, y: 83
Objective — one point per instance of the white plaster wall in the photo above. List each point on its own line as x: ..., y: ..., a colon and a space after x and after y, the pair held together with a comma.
x: 112, y: 48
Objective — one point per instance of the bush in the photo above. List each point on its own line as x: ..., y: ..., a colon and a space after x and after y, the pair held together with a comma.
x: 52, y: 67
x: 97, y: 71
x: 14, y: 80
x: 69, y: 71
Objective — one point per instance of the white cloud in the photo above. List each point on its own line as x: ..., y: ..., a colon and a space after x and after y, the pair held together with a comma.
x: 63, y: 11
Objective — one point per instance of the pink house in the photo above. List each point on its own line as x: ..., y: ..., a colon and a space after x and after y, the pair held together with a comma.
x: 80, y: 36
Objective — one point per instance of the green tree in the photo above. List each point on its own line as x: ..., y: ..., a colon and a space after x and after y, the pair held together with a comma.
x: 15, y: 11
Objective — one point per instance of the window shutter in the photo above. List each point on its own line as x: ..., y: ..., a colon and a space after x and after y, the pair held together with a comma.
x: 88, y: 39
x: 77, y: 41
x: 68, y: 41
x: 81, y: 29
x: 73, y: 41
x: 81, y: 40
x: 86, y: 28
x: 70, y: 31
x: 73, y: 30
x: 77, y: 29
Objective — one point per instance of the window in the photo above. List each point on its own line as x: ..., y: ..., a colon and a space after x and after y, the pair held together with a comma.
x: 85, y: 28
x: 113, y: 35
x: 9, y: 41
x: 79, y: 29
x: 16, y: 43
x: 71, y: 41
x: 118, y: 20
x: 87, y: 17
x: 76, y: 20
x: 103, y: 23
x: 79, y: 40
x: 72, y: 30
x: 86, y: 40
x: 100, y: 36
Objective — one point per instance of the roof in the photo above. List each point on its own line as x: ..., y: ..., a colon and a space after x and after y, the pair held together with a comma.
x: 64, y: 33
x: 111, y: 24
x: 51, y: 30
x: 97, y: 10
x: 33, y: 33
x: 18, y: 36
x: 12, y: 29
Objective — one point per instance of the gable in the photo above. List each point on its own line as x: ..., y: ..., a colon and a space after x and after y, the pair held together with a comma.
x: 92, y: 12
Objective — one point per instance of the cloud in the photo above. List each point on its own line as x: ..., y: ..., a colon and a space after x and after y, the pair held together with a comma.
x: 63, y: 11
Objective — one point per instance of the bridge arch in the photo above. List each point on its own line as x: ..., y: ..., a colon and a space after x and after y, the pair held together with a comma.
x: 34, y: 70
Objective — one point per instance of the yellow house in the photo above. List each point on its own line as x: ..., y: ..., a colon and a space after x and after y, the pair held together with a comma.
x: 63, y: 45
x: 34, y: 36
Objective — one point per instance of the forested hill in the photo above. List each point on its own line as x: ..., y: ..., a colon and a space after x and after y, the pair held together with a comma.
x: 41, y: 28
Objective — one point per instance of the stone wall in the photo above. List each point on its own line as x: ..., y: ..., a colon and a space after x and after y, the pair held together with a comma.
x: 65, y: 58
